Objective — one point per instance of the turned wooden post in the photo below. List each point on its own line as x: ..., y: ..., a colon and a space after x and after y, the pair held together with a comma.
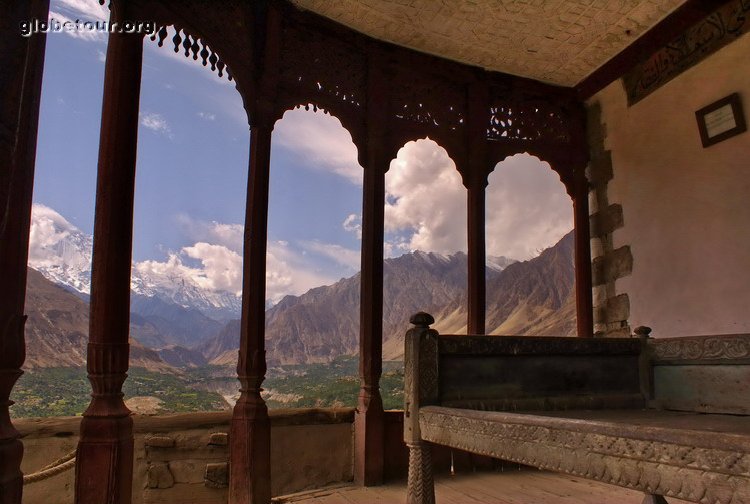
x: 104, y: 459
x: 476, y: 183
x: 369, y: 436
x: 22, y: 63
x: 584, y: 302
x: 250, y: 431
x: 477, y: 256
x: 420, y: 359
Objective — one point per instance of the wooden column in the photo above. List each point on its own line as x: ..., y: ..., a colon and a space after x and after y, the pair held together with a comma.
x: 250, y: 431
x: 104, y: 460
x: 584, y: 303
x: 476, y: 182
x: 477, y: 256
x: 369, y: 437
x: 22, y: 62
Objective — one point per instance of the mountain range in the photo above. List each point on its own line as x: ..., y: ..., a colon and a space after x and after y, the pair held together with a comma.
x: 172, y: 328
x: 530, y: 297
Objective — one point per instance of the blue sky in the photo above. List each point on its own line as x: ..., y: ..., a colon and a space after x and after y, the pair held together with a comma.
x: 192, y: 173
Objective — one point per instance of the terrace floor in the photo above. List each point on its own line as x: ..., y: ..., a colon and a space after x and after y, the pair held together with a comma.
x: 511, y: 487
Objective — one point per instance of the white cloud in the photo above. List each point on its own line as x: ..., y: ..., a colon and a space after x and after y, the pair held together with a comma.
x: 67, y: 26
x: 228, y: 235
x: 528, y: 209
x: 425, y: 201
x: 208, y: 116
x: 321, y: 140
x: 59, y: 249
x: 85, y: 10
x: 219, y: 248
x: 342, y: 255
x: 353, y: 224
x: 290, y: 272
x: 155, y: 122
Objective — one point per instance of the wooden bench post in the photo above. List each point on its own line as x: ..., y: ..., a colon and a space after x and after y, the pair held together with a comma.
x: 420, y: 388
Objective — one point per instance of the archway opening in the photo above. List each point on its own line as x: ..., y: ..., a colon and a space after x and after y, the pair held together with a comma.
x: 529, y: 222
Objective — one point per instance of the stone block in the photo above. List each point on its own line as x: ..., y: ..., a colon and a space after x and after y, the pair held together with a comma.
x: 217, y: 475
x: 606, y: 220
x: 219, y: 439
x: 597, y: 271
x: 600, y: 169
x: 619, y: 263
x: 159, y: 475
x: 599, y: 296
x: 160, y: 442
x: 187, y: 471
x: 597, y: 248
x: 618, y: 308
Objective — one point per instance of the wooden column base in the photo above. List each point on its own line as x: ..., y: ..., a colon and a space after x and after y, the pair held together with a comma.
x: 420, y: 488
x: 11, y: 448
x: 105, y: 454
x: 11, y: 486
x: 369, y: 439
x: 249, y: 467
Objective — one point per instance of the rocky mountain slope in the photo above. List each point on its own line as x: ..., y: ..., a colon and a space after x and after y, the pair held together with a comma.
x: 57, y: 329
x: 530, y: 297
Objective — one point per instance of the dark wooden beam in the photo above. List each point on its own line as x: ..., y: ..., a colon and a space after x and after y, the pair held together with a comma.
x: 104, y: 459
x: 664, y: 32
x: 369, y: 437
x: 250, y: 431
x: 22, y: 62
x: 584, y: 300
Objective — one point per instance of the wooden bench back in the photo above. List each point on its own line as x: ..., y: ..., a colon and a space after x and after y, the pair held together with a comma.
x: 516, y: 373
x: 707, y: 374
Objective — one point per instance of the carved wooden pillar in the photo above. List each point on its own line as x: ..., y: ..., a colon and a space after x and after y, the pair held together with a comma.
x: 476, y: 183
x: 250, y: 434
x: 368, y: 422
x: 584, y: 302
x: 104, y: 460
x: 22, y: 62
x: 477, y: 255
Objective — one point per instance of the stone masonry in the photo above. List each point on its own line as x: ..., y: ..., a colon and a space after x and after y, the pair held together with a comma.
x: 611, y: 310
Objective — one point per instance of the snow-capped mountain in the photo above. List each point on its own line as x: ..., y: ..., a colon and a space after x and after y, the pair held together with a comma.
x: 62, y: 253
x: 59, y: 250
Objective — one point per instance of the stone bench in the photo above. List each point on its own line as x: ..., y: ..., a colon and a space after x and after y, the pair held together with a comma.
x: 667, y: 417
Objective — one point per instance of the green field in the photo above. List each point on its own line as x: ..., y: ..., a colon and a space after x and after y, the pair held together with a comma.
x: 66, y: 391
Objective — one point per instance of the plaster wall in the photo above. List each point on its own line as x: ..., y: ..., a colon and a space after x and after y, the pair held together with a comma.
x: 686, y: 209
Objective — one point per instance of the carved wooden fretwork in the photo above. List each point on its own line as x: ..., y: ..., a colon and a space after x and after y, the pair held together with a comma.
x: 719, y: 348
x: 520, y: 345
x: 699, y: 474
x: 192, y: 47
x: 321, y: 70
x: 726, y: 24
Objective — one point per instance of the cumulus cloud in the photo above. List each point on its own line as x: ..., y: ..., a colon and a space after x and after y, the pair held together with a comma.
x: 155, y: 122
x: 528, y: 209
x: 218, y: 248
x: 425, y: 205
x: 321, y: 140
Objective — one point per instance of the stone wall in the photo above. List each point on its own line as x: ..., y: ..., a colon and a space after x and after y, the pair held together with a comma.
x: 611, y: 310
x: 183, y: 458
x: 669, y: 224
